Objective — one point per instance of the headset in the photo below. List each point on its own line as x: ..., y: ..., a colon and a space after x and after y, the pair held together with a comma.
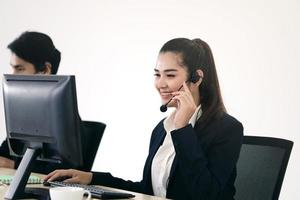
x: 194, y: 78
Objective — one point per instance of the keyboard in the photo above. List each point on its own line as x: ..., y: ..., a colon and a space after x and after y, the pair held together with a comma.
x: 96, y: 192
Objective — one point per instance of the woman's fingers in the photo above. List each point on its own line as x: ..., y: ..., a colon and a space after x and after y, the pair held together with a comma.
x: 80, y: 177
x: 58, y: 173
x: 185, y: 106
x: 73, y: 180
x: 184, y: 97
x: 50, y: 175
x: 72, y: 176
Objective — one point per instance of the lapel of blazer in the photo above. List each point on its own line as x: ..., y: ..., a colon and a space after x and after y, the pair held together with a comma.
x: 158, y: 140
x: 157, y: 143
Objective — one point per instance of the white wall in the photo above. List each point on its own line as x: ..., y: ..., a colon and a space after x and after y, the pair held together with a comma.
x: 111, y: 47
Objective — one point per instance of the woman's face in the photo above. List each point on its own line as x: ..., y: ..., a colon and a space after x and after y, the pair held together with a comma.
x: 169, y: 74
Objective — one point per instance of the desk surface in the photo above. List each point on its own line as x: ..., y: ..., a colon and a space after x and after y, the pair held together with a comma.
x: 5, y: 171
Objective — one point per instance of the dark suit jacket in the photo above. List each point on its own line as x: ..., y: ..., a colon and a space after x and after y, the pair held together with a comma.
x: 204, y: 166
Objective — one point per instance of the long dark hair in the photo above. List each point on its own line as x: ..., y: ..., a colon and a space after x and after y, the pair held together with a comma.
x: 196, y: 54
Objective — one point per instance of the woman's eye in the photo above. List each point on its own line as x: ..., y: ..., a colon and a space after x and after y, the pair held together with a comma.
x: 157, y: 75
x: 171, y: 75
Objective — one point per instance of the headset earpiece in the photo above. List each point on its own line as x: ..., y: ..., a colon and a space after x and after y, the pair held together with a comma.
x: 194, y: 77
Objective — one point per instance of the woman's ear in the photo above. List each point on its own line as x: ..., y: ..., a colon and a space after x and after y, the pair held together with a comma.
x: 201, y: 76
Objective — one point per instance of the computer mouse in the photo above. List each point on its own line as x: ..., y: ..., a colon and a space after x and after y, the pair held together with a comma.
x: 46, y: 183
x: 58, y: 179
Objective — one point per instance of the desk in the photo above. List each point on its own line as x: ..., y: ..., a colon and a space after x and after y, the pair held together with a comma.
x: 5, y: 171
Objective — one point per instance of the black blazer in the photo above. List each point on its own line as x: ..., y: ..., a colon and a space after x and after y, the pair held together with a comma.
x: 204, y: 166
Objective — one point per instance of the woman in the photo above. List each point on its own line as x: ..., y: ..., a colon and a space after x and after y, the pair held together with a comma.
x: 193, y: 152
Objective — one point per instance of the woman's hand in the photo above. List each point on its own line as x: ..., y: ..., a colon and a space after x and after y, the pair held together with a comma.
x: 74, y: 176
x: 185, y: 107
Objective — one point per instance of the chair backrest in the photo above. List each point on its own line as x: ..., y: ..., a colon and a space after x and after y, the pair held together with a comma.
x: 92, y: 133
x: 261, y: 167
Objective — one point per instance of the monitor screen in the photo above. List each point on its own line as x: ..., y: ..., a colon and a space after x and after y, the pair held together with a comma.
x: 41, y: 114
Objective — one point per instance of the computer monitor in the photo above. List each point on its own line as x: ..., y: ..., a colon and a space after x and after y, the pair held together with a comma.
x: 41, y: 113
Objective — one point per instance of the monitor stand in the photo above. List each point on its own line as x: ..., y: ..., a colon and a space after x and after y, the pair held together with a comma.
x: 16, y: 188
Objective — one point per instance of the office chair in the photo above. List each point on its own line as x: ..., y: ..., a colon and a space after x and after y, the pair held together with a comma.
x: 91, y: 136
x: 261, y: 167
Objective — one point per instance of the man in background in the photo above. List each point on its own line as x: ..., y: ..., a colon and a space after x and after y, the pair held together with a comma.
x: 31, y: 53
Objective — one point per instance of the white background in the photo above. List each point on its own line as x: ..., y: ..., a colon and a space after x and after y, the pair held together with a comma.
x: 111, y: 46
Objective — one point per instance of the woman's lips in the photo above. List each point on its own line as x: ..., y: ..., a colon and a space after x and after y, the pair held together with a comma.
x: 166, y: 95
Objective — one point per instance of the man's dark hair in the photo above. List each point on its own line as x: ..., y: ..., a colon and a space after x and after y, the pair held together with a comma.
x: 36, y: 48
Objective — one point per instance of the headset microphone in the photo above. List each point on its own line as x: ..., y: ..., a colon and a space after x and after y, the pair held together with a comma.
x: 193, y: 79
x: 164, y: 108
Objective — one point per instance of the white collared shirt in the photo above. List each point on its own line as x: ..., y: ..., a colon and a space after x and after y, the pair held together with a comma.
x: 163, y: 159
